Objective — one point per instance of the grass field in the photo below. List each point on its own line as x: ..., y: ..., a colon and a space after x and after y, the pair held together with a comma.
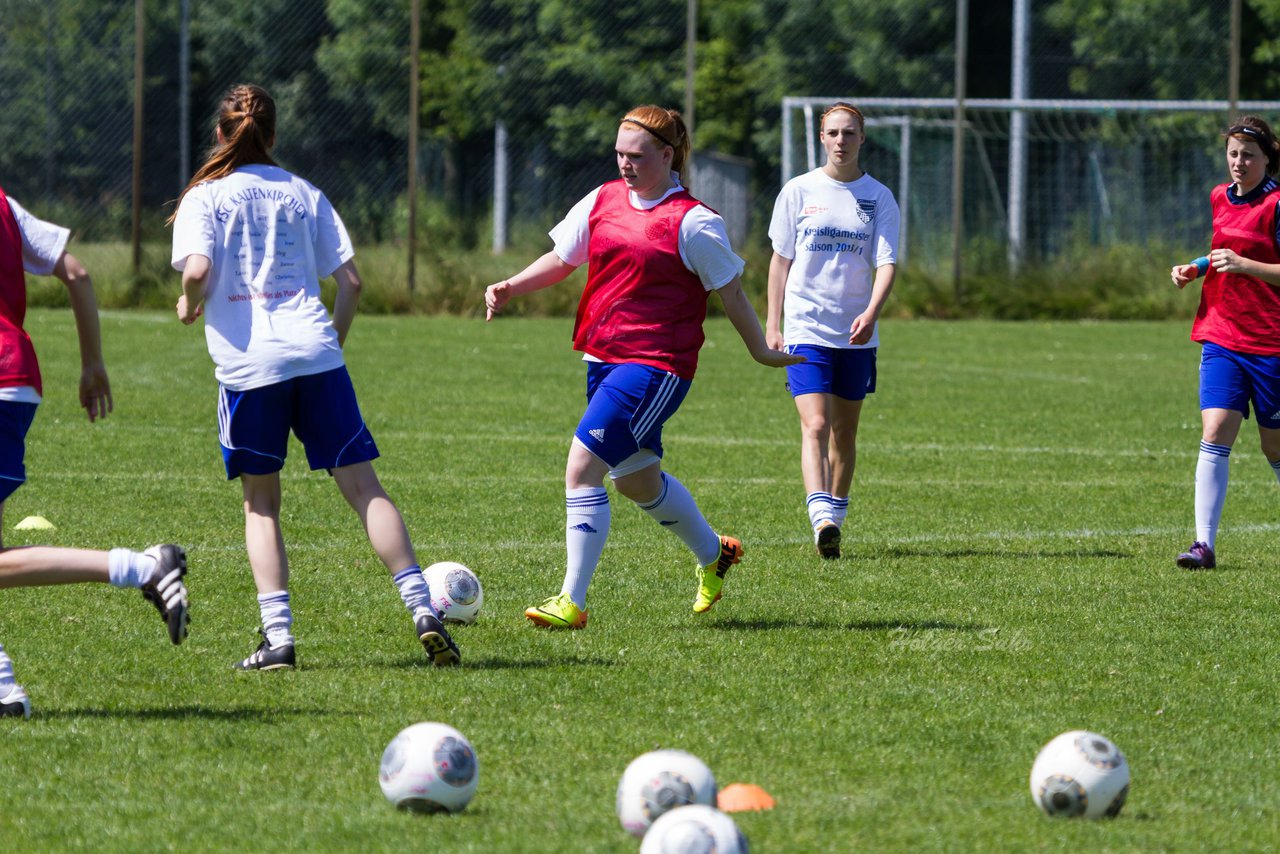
x: 1022, y: 492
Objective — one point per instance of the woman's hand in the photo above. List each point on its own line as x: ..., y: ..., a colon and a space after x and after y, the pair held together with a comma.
x: 495, y: 297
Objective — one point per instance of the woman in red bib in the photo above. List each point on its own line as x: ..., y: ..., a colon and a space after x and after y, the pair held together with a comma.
x: 1238, y: 322
x: 653, y: 253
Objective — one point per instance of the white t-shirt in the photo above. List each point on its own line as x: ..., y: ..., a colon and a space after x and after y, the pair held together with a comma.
x: 42, y: 245
x: 835, y: 234
x: 271, y: 238
x: 704, y: 242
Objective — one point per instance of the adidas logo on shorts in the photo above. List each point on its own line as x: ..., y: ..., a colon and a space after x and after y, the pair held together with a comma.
x: 597, y: 434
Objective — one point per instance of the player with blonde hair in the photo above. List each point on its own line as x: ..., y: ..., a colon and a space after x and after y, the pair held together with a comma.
x: 835, y: 235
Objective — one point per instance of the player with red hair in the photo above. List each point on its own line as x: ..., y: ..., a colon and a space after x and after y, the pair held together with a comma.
x: 653, y: 254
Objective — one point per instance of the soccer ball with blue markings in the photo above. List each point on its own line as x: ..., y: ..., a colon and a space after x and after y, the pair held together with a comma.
x: 429, y: 767
x: 695, y: 829
x: 455, y: 591
x: 1080, y: 774
x: 659, y: 781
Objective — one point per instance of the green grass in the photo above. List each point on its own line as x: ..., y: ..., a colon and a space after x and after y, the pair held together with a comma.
x: 1122, y: 282
x: 1022, y: 491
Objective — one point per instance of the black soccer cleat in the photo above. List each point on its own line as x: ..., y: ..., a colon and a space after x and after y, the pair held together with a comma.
x: 441, y: 649
x: 166, y: 591
x: 827, y: 541
x: 268, y: 657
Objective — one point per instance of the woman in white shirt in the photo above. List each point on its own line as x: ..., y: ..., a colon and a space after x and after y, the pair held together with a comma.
x: 253, y: 242
x: 834, y: 233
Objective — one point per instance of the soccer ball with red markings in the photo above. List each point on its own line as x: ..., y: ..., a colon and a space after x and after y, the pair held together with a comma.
x: 455, y: 591
x: 659, y: 781
x: 429, y: 767
x: 1080, y: 774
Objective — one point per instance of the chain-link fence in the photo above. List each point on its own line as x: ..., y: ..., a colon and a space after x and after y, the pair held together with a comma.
x: 552, y: 77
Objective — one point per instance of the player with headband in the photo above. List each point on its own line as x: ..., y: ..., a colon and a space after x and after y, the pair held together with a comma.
x: 1237, y: 323
x: 653, y: 254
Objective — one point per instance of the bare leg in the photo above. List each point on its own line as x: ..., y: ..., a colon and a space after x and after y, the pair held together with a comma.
x: 381, y: 518
x: 815, y: 440
x: 262, y: 537
x: 37, y: 566
x: 842, y: 449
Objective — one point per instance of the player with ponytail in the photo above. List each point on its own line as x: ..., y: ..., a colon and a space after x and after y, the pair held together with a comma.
x: 1237, y: 323
x: 252, y: 242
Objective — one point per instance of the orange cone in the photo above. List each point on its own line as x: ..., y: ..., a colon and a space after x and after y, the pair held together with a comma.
x: 743, y: 797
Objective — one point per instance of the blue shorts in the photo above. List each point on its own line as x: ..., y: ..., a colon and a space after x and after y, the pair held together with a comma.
x: 15, y: 421
x: 1233, y: 380
x: 321, y: 409
x: 846, y: 373
x: 627, y: 404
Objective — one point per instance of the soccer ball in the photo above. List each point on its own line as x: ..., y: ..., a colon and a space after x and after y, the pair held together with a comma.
x: 660, y: 781
x: 695, y: 829
x: 429, y: 767
x: 1080, y: 773
x: 455, y: 591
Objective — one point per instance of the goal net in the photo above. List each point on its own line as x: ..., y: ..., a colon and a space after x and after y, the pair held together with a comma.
x: 1040, y: 178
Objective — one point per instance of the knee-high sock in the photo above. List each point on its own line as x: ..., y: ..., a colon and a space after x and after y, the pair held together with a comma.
x: 821, y: 508
x: 414, y: 591
x: 840, y: 509
x: 675, y: 510
x: 1212, y: 469
x: 586, y: 529
x: 277, y: 617
x: 6, y: 670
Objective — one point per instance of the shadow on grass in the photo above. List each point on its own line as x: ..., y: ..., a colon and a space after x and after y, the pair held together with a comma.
x: 491, y: 663
x: 255, y: 714
x: 764, y: 625
x: 892, y: 552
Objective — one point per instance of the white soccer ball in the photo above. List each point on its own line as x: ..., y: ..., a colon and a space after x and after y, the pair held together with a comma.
x: 429, y: 767
x: 1080, y: 773
x: 455, y: 591
x: 659, y: 781
x: 695, y: 829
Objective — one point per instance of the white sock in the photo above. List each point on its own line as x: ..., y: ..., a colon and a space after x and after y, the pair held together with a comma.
x: 6, y: 671
x: 586, y: 528
x: 414, y: 591
x: 127, y: 568
x: 675, y: 510
x: 839, y: 509
x: 820, y: 509
x: 1275, y: 467
x: 277, y: 617
x: 1211, y: 490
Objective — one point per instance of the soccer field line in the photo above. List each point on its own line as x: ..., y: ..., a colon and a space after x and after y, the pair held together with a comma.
x: 426, y: 547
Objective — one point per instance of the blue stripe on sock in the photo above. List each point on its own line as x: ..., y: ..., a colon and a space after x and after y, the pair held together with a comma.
x: 1215, y: 450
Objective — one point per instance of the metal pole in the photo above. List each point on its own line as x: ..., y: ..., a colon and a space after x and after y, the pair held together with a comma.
x: 957, y: 149
x: 690, y: 67
x: 787, y: 131
x: 500, y: 182
x: 810, y: 141
x: 184, y: 95
x: 1233, y: 82
x: 415, y: 39
x: 139, y: 39
x: 904, y: 191
x: 1019, y: 87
